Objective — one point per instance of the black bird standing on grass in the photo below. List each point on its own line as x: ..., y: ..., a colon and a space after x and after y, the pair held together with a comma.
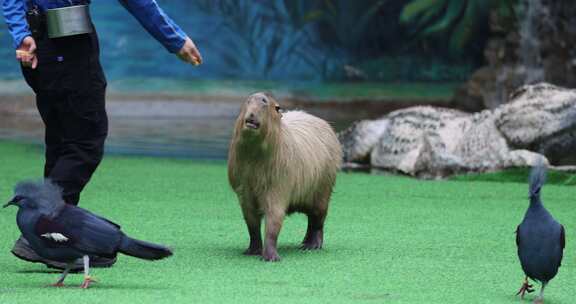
x: 66, y: 233
x: 540, y: 239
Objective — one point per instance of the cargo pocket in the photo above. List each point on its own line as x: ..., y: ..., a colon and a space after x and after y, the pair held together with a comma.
x: 85, y: 85
x: 85, y: 115
x: 88, y: 105
x: 46, y: 77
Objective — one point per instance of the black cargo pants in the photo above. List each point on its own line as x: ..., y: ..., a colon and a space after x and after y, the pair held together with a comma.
x: 70, y: 95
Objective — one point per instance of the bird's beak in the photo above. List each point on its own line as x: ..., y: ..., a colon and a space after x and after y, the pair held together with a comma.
x: 12, y: 202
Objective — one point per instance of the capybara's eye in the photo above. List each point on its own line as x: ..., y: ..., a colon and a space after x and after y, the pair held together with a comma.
x: 264, y: 100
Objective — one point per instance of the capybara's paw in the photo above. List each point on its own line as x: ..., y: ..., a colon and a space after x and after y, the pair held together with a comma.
x: 313, y: 242
x: 253, y: 251
x: 270, y: 256
x: 311, y: 246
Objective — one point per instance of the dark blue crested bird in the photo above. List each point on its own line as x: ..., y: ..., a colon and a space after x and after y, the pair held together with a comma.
x: 540, y: 239
x: 67, y: 233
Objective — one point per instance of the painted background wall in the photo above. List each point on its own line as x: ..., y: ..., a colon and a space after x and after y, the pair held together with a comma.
x: 294, y: 40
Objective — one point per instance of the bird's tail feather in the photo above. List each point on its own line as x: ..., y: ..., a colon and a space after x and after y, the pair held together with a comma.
x: 144, y: 250
x: 537, y: 178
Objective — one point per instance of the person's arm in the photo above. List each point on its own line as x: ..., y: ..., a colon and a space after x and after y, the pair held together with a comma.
x: 15, y: 15
x: 163, y: 29
x: 14, y: 12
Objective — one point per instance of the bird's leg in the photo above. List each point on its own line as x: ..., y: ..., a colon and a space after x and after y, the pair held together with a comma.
x: 540, y: 298
x: 526, y: 287
x: 87, y: 278
x: 60, y: 282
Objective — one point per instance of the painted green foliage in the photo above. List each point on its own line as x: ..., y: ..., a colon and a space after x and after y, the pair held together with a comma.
x: 346, y: 20
x: 272, y: 37
x: 458, y: 20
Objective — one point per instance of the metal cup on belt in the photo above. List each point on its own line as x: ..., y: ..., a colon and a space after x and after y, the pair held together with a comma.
x: 68, y: 21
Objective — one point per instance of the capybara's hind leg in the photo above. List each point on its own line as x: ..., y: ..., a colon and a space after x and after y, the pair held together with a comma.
x: 315, y: 232
x: 253, y: 219
x: 274, y: 221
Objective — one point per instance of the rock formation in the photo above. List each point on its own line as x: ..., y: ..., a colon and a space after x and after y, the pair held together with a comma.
x: 436, y: 142
x: 539, y: 44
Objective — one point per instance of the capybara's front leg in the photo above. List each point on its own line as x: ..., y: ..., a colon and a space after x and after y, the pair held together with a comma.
x: 274, y: 221
x: 253, y: 219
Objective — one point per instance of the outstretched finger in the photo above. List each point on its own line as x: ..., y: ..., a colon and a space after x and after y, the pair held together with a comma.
x: 194, y: 60
x: 34, y: 62
x: 191, y: 58
x: 196, y: 55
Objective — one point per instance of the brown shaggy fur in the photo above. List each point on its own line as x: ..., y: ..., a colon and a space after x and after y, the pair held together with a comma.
x: 281, y: 163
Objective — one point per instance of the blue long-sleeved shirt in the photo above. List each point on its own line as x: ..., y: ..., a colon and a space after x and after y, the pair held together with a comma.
x: 147, y: 12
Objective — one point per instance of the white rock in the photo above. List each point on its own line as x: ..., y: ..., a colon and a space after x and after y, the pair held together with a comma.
x: 435, y: 142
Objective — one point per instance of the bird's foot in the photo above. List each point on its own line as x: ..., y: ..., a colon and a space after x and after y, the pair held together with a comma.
x: 87, y: 281
x: 526, y: 288
x: 57, y: 284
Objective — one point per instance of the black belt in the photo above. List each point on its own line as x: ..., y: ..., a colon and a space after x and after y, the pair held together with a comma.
x: 37, y: 18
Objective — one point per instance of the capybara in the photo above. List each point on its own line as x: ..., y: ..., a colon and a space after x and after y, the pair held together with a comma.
x: 280, y: 163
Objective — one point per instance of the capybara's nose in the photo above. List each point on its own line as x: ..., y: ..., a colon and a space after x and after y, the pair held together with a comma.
x: 251, y: 116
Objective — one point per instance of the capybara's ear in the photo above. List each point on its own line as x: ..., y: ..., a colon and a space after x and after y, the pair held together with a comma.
x: 270, y: 96
x: 277, y: 108
x: 273, y: 103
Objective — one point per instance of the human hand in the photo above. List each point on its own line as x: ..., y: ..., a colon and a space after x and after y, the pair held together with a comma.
x: 189, y: 53
x: 26, y: 53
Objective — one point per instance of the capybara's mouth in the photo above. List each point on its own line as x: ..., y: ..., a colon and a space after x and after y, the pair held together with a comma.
x: 252, y: 124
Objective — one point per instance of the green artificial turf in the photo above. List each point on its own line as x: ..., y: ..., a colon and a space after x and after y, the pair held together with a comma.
x: 519, y: 175
x: 388, y: 239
